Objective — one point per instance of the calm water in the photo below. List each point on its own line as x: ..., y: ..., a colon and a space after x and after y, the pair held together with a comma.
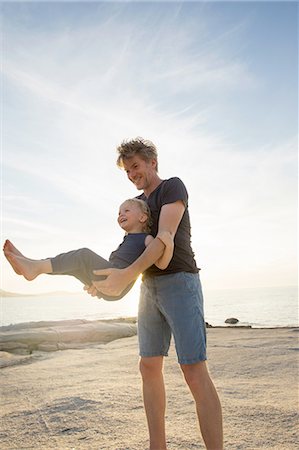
x: 267, y: 307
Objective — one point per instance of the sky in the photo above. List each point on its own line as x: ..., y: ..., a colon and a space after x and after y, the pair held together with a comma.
x: 213, y: 84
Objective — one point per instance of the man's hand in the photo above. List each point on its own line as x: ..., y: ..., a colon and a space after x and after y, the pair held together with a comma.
x: 91, y: 290
x: 116, y: 282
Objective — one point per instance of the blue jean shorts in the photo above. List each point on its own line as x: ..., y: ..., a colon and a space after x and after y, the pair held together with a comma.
x: 172, y: 305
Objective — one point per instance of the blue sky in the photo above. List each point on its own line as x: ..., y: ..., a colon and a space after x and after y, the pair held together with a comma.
x: 214, y: 85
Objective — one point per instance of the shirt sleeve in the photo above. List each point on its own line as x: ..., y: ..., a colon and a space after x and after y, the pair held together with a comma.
x: 174, y: 190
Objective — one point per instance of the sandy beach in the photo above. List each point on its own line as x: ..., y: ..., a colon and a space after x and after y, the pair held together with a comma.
x: 88, y: 395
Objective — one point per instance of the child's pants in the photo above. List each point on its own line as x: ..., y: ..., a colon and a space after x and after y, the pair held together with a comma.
x: 80, y: 264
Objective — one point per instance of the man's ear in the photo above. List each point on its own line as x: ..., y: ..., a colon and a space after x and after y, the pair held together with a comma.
x: 154, y: 163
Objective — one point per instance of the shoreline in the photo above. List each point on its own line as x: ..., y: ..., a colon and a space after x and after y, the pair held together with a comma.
x: 133, y: 319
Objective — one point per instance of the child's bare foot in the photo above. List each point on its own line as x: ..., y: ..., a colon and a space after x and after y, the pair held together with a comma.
x: 9, y: 247
x: 23, y: 266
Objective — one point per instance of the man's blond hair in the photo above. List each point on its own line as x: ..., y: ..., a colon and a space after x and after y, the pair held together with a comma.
x: 139, y: 146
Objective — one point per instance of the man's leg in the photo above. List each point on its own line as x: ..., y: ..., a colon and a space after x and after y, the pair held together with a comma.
x: 181, y: 300
x: 154, y: 400
x: 207, y: 403
x: 154, y: 336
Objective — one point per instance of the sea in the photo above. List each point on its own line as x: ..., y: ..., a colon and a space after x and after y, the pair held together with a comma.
x: 257, y: 307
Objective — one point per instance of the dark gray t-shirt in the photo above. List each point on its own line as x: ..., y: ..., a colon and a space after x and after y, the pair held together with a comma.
x: 129, y: 250
x: 170, y: 191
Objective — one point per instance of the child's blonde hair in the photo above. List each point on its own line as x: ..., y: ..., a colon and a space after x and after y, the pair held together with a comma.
x: 143, y: 206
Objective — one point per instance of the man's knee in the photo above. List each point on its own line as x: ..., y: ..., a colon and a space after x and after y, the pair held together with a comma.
x: 195, y: 373
x: 151, y: 367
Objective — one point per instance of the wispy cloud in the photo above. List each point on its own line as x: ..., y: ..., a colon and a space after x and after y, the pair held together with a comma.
x: 21, y: 223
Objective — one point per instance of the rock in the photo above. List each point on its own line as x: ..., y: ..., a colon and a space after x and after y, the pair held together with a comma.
x: 232, y: 320
x: 62, y: 335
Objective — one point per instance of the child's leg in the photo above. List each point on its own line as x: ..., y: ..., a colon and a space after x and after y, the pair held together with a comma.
x: 78, y: 263
x: 81, y: 264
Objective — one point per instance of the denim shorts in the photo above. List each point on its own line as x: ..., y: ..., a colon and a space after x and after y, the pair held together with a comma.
x: 172, y: 305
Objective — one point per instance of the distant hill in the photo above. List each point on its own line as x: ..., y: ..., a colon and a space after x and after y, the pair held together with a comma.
x: 17, y: 294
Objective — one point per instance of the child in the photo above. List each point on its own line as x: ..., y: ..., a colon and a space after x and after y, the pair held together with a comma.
x: 134, y: 218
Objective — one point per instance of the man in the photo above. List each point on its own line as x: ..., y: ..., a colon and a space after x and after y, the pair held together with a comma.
x: 171, y: 300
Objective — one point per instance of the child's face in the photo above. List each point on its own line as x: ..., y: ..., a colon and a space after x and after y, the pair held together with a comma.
x: 131, y: 218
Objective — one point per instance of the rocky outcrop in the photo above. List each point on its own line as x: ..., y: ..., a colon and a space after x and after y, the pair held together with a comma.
x: 232, y: 321
x: 52, y: 336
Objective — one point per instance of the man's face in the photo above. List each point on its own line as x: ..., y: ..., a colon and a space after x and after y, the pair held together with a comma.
x: 140, y: 172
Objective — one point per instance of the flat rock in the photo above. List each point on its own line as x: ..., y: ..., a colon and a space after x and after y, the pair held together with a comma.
x: 60, y: 335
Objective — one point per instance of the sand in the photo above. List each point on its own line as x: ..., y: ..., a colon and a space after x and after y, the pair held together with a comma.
x: 90, y: 397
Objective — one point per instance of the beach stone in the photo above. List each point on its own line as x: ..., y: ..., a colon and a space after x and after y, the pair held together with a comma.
x: 232, y: 320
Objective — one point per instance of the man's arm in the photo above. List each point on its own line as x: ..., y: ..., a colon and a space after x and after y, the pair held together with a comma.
x: 168, y: 241
x: 118, y: 279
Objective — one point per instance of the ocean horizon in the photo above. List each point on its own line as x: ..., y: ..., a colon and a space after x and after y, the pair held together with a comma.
x: 257, y: 307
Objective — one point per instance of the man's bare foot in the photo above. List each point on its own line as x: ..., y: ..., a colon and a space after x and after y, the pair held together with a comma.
x: 23, y: 266
x: 9, y: 247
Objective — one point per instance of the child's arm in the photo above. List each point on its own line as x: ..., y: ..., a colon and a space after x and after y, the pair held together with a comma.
x: 167, y: 240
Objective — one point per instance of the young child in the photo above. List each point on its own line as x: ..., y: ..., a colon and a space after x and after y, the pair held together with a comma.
x: 134, y: 218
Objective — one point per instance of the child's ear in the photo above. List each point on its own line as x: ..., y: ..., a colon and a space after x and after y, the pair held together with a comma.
x: 143, y: 218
